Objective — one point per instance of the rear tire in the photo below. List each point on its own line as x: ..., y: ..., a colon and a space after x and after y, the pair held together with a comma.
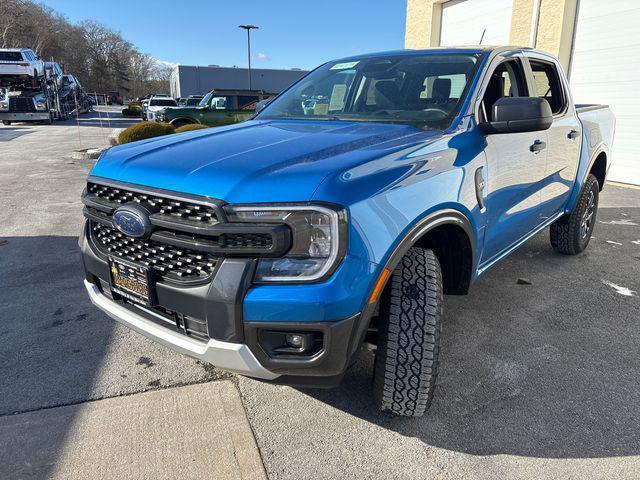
x: 570, y: 234
x: 6, y: 122
x: 410, y: 322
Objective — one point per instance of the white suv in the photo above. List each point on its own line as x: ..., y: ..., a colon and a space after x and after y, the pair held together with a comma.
x: 20, y: 62
x: 158, y: 102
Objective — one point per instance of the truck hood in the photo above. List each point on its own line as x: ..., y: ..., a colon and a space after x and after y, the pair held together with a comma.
x: 255, y: 161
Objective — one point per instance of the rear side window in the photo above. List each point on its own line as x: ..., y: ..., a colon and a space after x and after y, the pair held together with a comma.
x: 10, y: 57
x: 547, y: 84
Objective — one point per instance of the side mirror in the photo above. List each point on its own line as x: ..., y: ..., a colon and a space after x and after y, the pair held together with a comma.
x: 263, y: 103
x: 519, y: 114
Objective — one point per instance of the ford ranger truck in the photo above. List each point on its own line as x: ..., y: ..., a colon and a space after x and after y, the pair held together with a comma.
x: 342, y: 212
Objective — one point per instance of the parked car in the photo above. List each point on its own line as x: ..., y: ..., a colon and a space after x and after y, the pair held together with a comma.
x: 20, y: 63
x: 218, y: 107
x: 53, y: 71
x: 157, y: 103
x: 114, y: 97
x: 275, y: 248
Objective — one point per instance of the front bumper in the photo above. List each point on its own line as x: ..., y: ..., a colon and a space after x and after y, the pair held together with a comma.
x: 235, y: 357
x: 232, y: 343
x: 24, y: 116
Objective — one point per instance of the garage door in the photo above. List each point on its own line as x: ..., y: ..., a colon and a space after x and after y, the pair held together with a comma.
x: 463, y: 22
x: 604, y: 69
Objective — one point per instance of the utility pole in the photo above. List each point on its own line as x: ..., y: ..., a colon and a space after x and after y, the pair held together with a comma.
x: 248, y: 28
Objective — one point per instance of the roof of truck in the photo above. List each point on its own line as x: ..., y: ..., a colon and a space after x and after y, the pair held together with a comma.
x: 434, y: 50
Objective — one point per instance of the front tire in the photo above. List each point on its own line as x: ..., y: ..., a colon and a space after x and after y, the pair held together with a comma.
x: 410, y: 322
x: 570, y: 234
x: 180, y: 123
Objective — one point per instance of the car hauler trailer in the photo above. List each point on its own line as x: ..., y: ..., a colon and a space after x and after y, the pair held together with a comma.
x: 50, y: 97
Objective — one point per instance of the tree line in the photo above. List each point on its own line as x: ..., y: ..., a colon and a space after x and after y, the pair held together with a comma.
x: 98, y: 56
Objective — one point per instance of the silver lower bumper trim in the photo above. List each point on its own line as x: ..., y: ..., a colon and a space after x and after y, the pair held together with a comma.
x: 235, y: 357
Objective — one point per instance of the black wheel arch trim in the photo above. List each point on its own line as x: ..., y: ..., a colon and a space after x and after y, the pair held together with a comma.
x: 438, y: 218
x: 599, y: 150
x: 187, y: 119
x: 448, y: 216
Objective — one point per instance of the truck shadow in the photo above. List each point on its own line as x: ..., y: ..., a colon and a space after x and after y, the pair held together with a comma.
x: 547, y: 370
x: 9, y: 133
x: 103, y: 119
x: 52, y: 346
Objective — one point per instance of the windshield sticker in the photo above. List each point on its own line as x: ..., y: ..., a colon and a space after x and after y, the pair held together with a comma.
x: 341, y: 66
x: 337, y: 97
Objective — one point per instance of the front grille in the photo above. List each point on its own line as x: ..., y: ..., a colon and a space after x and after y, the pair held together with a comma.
x: 246, y: 240
x: 178, y: 210
x: 169, y: 262
x: 184, y: 237
x: 21, y: 104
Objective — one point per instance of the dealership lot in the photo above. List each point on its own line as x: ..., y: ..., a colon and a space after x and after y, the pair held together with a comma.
x: 540, y: 375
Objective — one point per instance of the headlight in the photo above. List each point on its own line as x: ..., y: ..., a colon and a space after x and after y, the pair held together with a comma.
x: 319, y: 239
x: 4, y: 105
x: 41, y: 106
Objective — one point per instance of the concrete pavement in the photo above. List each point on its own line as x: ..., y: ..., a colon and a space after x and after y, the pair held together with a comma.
x: 193, y: 432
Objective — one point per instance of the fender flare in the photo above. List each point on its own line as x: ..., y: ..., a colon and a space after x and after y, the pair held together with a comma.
x: 190, y: 120
x: 596, y: 153
x: 447, y: 216
x: 431, y: 221
x: 581, y: 176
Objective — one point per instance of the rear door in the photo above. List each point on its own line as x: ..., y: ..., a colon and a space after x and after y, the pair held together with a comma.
x: 546, y: 80
x: 516, y: 164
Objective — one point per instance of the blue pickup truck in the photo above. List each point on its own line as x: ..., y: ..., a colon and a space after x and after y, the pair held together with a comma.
x: 342, y: 212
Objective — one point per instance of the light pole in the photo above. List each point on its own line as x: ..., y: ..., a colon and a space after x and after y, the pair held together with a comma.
x: 248, y: 28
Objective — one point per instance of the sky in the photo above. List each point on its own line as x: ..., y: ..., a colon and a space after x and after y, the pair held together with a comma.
x: 293, y: 33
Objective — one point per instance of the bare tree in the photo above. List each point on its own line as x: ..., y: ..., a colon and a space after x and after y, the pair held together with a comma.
x: 97, y: 55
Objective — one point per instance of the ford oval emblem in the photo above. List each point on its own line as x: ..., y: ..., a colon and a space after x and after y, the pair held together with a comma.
x: 132, y: 220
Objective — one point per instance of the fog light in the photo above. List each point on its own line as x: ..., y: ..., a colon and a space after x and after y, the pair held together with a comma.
x: 294, y: 340
x: 287, y: 343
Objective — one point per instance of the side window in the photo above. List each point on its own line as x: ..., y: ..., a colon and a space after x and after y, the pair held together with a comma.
x: 507, y: 80
x: 547, y: 84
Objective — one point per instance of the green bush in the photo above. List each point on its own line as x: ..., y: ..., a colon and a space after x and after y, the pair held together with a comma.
x: 143, y: 130
x: 130, y: 112
x: 191, y: 126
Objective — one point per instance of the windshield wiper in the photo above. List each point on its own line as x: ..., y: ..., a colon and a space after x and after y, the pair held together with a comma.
x: 303, y: 117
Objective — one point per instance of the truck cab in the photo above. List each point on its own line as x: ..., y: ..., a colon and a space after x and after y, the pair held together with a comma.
x: 343, y: 211
x: 216, y: 108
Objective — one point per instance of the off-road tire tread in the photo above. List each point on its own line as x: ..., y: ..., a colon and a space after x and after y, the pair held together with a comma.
x: 406, y: 364
x: 564, y: 233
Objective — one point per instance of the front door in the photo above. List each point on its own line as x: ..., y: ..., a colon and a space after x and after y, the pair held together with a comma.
x: 516, y: 165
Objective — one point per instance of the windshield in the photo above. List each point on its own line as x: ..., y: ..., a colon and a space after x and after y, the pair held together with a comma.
x: 205, y: 100
x: 161, y: 102
x: 426, y: 90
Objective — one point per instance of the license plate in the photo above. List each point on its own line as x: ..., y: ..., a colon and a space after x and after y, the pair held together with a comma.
x: 130, y: 281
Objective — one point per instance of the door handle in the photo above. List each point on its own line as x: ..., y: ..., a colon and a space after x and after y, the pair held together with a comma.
x: 538, y: 146
x: 573, y: 134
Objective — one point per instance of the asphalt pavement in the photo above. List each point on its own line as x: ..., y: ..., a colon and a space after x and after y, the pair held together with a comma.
x: 539, y: 378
